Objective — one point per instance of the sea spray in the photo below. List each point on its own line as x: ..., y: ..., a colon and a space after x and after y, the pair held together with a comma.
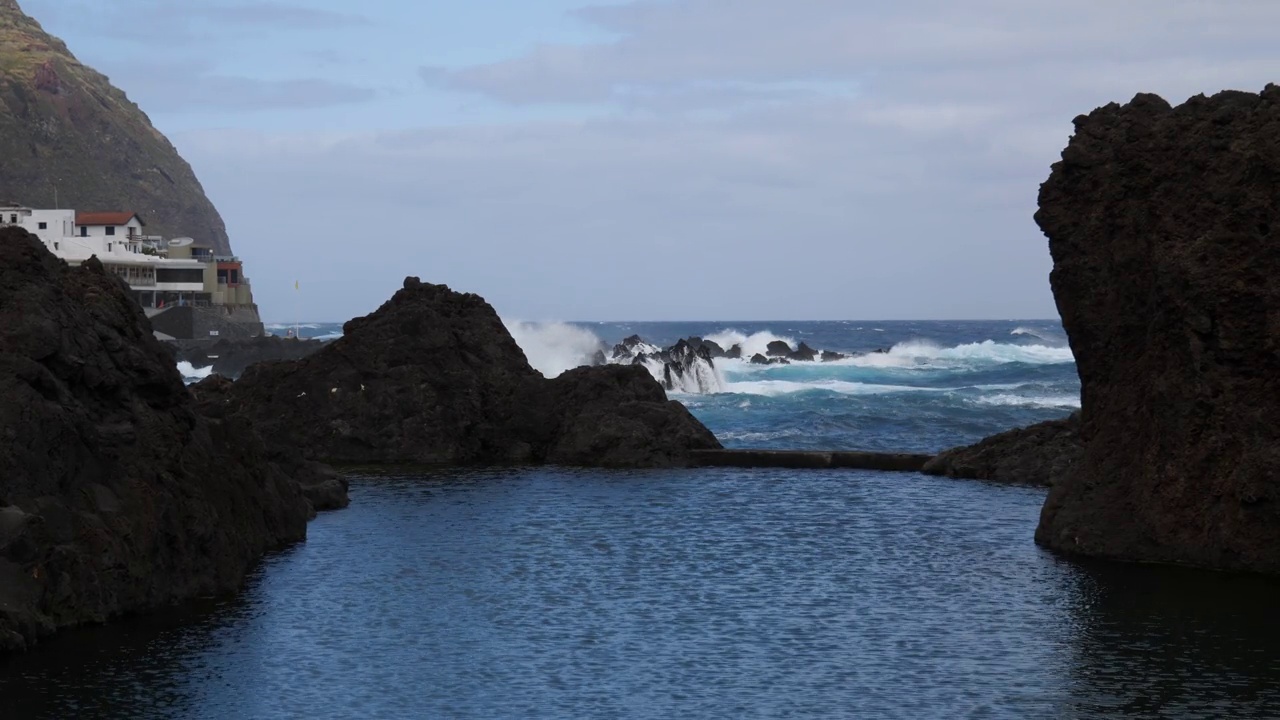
x: 553, y: 348
x: 192, y: 374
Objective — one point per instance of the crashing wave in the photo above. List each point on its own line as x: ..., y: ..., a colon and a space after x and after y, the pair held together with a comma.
x: 192, y: 374
x: 553, y: 348
x: 925, y: 354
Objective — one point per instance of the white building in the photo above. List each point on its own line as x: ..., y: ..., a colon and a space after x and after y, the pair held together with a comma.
x: 117, y: 241
x: 108, y: 224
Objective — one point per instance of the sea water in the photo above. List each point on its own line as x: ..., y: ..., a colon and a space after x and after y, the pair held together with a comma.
x: 711, y: 593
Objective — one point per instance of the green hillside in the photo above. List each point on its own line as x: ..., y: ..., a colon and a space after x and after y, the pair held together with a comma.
x: 64, y: 127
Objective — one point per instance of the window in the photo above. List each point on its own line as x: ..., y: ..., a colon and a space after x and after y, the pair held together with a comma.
x: 44, y: 226
x: 179, y: 276
x: 108, y: 247
x: 111, y: 230
x: 84, y: 231
x: 13, y: 219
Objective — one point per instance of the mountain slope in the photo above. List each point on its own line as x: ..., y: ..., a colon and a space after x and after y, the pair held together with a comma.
x: 68, y: 138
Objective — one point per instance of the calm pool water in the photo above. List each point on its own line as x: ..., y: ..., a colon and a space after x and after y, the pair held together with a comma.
x: 544, y: 593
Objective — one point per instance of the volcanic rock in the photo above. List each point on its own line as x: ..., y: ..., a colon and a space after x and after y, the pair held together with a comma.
x: 759, y: 359
x: 230, y: 357
x: 777, y: 348
x: 433, y: 377
x: 734, y: 353
x: 1036, y: 455
x: 804, y: 353
x: 115, y: 494
x: 1164, y: 227
x: 829, y: 356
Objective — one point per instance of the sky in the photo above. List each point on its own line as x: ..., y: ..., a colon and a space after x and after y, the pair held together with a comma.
x: 651, y: 159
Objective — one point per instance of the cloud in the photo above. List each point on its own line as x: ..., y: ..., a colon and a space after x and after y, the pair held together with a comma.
x: 182, y: 86
x: 728, y: 158
x: 171, y: 23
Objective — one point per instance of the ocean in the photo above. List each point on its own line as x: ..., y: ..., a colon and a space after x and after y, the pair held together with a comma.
x: 940, y: 383
x: 547, y: 592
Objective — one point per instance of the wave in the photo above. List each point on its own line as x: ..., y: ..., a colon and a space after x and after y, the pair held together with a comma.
x: 192, y: 374
x: 1041, y: 401
x: 553, y: 348
x: 774, y: 388
x: 926, y: 354
x: 290, y: 326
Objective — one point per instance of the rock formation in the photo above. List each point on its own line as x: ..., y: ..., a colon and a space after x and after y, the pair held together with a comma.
x: 1164, y: 227
x: 115, y: 494
x: 230, y: 357
x: 67, y: 136
x: 433, y: 377
x: 1037, y: 455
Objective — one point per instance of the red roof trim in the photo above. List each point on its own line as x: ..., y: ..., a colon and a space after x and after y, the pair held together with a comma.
x: 107, y: 218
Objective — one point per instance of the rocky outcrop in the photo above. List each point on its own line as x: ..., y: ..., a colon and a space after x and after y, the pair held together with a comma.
x: 116, y: 495
x: 804, y: 353
x: 830, y: 356
x: 777, y: 348
x: 1164, y: 227
x: 1036, y: 455
x: 230, y: 357
x: 433, y: 377
x: 68, y: 138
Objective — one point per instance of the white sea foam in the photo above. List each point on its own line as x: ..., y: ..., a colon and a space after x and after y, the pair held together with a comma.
x: 701, y: 378
x: 926, y: 354
x: 756, y: 343
x: 774, y: 388
x: 554, y: 347
x: 1039, y: 401
x: 192, y: 374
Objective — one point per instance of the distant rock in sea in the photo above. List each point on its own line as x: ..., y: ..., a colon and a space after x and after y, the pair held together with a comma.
x: 1164, y: 227
x: 433, y: 377
x: 116, y: 495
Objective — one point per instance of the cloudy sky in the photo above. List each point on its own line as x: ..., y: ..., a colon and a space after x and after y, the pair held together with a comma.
x: 654, y: 159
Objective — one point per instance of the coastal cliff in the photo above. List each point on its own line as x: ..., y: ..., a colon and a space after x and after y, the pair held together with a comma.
x: 433, y: 377
x: 1164, y: 227
x: 116, y: 495
x: 70, y: 139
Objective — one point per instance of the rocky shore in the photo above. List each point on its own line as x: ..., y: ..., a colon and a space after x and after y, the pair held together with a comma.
x: 229, y: 357
x: 117, y: 495
x: 1162, y: 223
x: 433, y: 377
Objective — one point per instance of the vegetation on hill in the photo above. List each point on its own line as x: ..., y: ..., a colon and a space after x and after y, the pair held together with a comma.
x: 69, y: 138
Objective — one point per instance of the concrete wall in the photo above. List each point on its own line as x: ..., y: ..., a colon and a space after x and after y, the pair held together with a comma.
x: 188, y: 323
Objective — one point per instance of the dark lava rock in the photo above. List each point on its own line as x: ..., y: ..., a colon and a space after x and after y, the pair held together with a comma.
x: 116, y: 495
x: 684, y: 363
x: 1036, y: 455
x: 613, y: 416
x: 628, y: 348
x: 229, y: 357
x: 323, y: 487
x: 1164, y: 227
x: 599, y: 358
x: 711, y: 347
x: 734, y: 353
x: 433, y: 377
x: 777, y: 348
x: 829, y: 356
x: 759, y: 359
x: 804, y: 353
